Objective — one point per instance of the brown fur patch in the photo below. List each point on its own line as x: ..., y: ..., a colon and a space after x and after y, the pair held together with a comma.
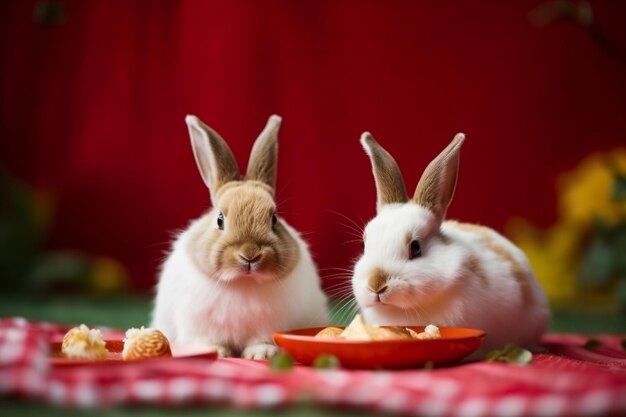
x: 377, y: 280
x: 248, y: 208
x: 517, y: 270
x: 232, y: 184
x: 474, y: 228
x: 474, y: 266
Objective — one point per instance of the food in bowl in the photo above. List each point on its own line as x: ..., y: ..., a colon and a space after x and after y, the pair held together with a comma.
x: 359, y: 330
x: 430, y: 332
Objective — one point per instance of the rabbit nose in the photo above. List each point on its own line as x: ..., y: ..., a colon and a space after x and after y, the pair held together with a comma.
x: 381, y: 290
x: 377, y: 282
x: 250, y: 260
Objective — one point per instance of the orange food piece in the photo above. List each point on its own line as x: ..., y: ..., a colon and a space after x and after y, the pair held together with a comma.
x: 145, y: 344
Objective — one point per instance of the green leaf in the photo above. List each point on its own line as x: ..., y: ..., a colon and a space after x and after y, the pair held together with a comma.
x: 597, y: 266
x: 619, y: 248
x: 325, y: 361
x: 600, y: 225
x: 620, y: 293
x: 592, y: 344
x: 59, y: 267
x: 20, y: 239
x: 49, y: 13
x: 493, y: 355
x: 281, y: 362
x: 511, y: 354
x: 517, y: 355
x: 619, y: 189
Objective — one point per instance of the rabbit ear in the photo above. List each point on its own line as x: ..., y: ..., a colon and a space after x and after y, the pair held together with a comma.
x: 264, y: 155
x: 215, y: 160
x: 436, y: 187
x: 389, y: 182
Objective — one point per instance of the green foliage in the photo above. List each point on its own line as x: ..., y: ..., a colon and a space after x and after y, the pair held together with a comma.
x: 24, y: 264
x: 50, y: 13
x: 59, y: 268
x: 619, y: 189
x: 326, y: 361
x: 597, y: 267
x: 512, y: 354
x: 20, y: 239
x: 20, y: 233
x: 281, y: 362
x: 603, y: 263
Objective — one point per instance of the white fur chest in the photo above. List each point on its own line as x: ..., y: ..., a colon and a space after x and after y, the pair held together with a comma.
x: 232, y: 314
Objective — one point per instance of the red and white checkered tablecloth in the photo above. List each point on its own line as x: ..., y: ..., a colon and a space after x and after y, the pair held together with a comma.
x: 568, y: 381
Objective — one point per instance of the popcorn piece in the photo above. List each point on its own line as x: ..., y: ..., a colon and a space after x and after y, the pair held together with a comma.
x: 83, y: 343
x: 433, y: 331
x: 145, y: 343
x: 430, y: 332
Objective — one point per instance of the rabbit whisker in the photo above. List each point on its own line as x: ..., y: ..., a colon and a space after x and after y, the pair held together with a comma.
x: 354, y: 226
x: 346, y: 312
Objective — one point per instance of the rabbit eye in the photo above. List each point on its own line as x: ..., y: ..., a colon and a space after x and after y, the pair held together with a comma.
x: 220, y: 221
x: 414, y: 250
x: 274, y: 220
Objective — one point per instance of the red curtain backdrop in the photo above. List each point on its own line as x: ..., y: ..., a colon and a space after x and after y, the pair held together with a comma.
x: 92, y: 109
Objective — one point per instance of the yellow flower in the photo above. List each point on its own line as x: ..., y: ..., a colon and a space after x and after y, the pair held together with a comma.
x: 587, y: 192
x: 107, y: 276
x: 552, y: 253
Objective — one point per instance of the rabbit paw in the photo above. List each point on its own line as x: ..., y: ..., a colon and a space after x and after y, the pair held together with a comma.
x: 259, y: 351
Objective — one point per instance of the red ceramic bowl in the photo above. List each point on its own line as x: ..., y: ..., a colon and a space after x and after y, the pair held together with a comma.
x: 455, y: 344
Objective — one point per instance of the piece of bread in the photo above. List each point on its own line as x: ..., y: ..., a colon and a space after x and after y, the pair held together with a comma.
x: 144, y: 344
x: 358, y: 330
x: 387, y: 333
x: 329, y: 332
x: 81, y: 342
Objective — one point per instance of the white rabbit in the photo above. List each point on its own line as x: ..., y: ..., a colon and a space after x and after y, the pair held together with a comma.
x: 417, y: 269
x: 239, y: 272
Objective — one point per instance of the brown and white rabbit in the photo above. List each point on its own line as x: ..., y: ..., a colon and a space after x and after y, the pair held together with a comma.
x: 238, y: 272
x: 418, y: 269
